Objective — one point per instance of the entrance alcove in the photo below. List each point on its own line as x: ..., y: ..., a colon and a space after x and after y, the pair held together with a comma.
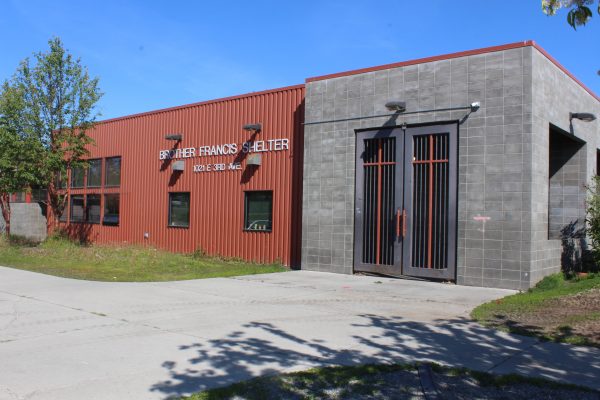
x: 566, y: 196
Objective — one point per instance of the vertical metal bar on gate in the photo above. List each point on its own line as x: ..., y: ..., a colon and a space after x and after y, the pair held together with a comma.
x: 378, y: 233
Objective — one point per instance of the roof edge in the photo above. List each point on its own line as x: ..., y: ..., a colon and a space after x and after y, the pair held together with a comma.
x: 450, y: 56
x: 563, y: 69
x: 201, y: 103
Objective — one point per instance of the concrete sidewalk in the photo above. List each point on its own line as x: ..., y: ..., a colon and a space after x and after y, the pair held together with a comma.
x: 67, y: 339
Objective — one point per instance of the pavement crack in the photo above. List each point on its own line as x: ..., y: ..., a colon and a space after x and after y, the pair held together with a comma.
x: 15, y: 317
x: 427, y: 384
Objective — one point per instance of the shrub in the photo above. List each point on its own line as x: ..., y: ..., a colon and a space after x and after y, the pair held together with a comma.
x: 593, y: 218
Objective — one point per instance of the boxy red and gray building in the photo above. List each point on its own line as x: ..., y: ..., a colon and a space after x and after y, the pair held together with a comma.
x: 467, y: 167
x: 222, y: 177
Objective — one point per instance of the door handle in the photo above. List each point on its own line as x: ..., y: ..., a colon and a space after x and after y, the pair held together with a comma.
x: 401, y: 217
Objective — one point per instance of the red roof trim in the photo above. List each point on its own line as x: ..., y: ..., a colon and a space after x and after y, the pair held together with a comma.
x: 563, y: 69
x: 424, y: 60
x: 456, y: 55
x: 201, y: 103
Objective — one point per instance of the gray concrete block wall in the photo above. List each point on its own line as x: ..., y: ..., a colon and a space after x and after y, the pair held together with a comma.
x: 555, y: 94
x: 494, y: 172
x: 27, y: 220
x: 495, y: 159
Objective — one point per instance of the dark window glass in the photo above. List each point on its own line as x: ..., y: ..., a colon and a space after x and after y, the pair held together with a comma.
x: 19, y: 197
x: 39, y: 195
x: 65, y: 213
x: 179, y: 209
x: 77, y: 174
x: 258, y: 214
x: 111, y: 209
x: 93, y: 208
x: 94, y: 173
x: 112, y: 173
x: 77, y: 208
x: 60, y: 180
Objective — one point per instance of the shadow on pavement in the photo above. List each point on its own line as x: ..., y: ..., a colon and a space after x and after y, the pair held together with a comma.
x: 246, y: 353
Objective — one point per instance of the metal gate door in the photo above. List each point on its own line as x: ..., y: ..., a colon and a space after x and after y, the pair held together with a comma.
x: 405, y: 218
x: 378, y: 242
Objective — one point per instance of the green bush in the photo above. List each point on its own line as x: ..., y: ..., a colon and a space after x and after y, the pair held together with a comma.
x: 551, y: 282
x: 593, y: 218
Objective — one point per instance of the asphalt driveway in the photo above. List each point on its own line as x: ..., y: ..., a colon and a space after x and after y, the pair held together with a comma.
x: 70, y: 339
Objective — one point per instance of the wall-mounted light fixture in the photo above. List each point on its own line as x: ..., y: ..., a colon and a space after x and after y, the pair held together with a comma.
x: 396, y: 106
x: 178, y: 165
x: 254, y: 159
x: 174, y: 136
x: 254, y: 128
x: 587, y: 117
x: 475, y: 106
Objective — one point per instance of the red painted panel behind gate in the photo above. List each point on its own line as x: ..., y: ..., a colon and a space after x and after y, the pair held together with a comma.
x: 216, y: 198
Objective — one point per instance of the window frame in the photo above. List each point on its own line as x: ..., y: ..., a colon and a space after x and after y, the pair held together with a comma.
x: 105, y: 169
x: 71, y: 220
x: 83, y: 176
x: 87, y: 208
x: 61, y: 180
x: 104, y: 222
x: 246, y: 201
x: 87, y: 173
x: 66, y: 211
x: 169, y: 221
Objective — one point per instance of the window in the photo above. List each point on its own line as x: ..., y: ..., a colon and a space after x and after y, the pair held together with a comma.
x: 77, y: 174
x: 39, y: 195
x: 63, y: 216
x: 19, y: 197
x: 60, y: 180
x: 93, y: 208
x: 179, y: 210
x: 77, y: 208
x: 111, y: 209
x: 112, y: 173
x: 94, y: 173
x: 258, y: 211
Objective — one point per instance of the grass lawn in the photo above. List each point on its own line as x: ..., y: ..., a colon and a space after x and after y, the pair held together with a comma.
x: 393, y: 382
x: 558, y: 309
x: 64, y: 258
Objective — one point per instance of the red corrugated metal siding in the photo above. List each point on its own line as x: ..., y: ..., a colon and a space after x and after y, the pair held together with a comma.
x: 217, y: 198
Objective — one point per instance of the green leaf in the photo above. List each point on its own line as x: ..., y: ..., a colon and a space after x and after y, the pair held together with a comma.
x: 46, y: 110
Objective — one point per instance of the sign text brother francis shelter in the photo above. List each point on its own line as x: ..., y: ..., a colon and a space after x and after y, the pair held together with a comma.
x: 258, y: 146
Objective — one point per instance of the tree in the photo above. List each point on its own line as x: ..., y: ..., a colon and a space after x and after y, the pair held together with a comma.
x: 20, y: 156
x: 58, y: 100
x: 579, y: 11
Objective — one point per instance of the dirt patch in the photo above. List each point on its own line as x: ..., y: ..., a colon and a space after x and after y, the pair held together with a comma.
x: 573, y: 318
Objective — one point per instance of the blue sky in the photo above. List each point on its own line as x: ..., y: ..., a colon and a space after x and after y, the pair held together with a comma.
x: 156, y: 54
